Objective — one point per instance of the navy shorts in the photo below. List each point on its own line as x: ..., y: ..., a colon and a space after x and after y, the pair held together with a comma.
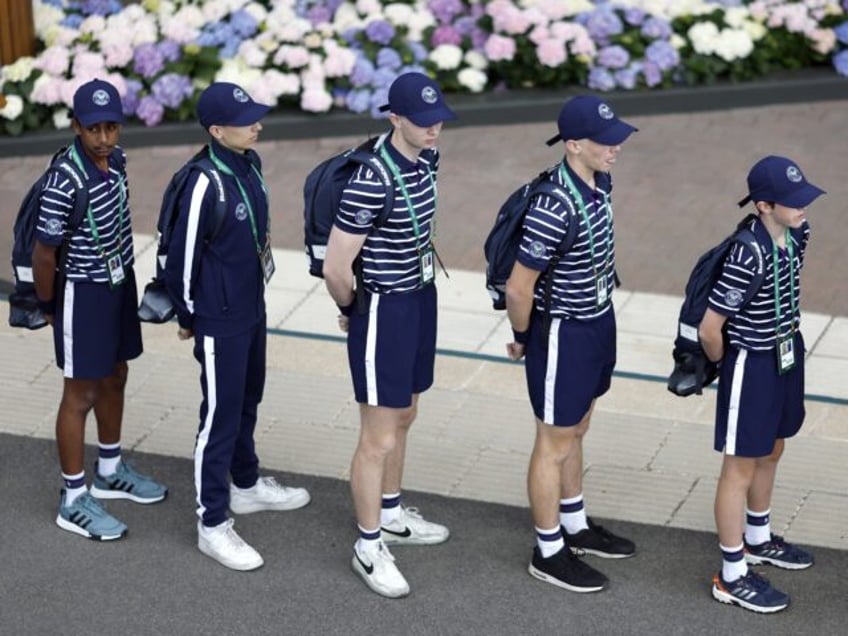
x: 756, y: 405
x: 564, y: 377
x: 391, y: 347
x: 96, y: 327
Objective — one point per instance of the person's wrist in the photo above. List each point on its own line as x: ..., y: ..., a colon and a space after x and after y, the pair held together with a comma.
x: 47, y: 307
x: 346, y: 310
x: 520, y: 337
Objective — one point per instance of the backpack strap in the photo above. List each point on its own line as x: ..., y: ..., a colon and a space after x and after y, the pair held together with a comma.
x: 202, y: 162
x: 744, y: 235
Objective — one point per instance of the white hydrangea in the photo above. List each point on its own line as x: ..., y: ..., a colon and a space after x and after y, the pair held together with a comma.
x: 19, y: 70
x: 733, y: 44
x: 398, y: 14
x: 252, y: 54
x: 346, y: 17
x: 236, y: 71
x: 476, y: 60
x: 703, y: 36
x: 446, y: 57
x: 61, y: 119
x: 419, y: 22
x: 13, y: 108
x: 45, y: 17
x: 256, y: 11
x: 472, y: 79
x: 93, y: 24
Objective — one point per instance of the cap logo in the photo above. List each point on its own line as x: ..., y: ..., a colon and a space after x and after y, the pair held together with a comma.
x: 100, y: 97
x: 429, y: 95
x: 239, y: 95
x: 793, y: 174
x: 605, y: 112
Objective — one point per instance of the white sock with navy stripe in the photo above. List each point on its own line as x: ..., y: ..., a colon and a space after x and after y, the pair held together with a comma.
x: 74, y: 486
x: 733, y: 564
x: 572, y: 514
x: 757, y: 527
x: 108, y: 458
x: 368, y: 539
x: 549, y: 541
x: 390, y: 511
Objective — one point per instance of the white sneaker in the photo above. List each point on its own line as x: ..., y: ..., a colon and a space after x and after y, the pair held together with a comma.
x: 223, y: 544
x: 412, y: 529
x: 377, y: 568
x: 266, y: 494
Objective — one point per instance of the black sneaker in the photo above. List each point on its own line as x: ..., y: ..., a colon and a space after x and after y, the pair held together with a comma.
x: 600, y: 542
x: 563, y: 569
x: 752, y: 591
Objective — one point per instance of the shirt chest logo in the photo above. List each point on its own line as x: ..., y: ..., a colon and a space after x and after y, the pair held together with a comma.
x: 241, y: 212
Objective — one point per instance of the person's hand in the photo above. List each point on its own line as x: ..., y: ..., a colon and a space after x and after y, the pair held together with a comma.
x: 515, y: 350
x: 344, y: 323
x: 49, y: 319
x: 184, y: 334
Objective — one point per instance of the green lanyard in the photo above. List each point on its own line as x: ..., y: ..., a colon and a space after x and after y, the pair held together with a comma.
x: 226, y: 170
x: 399, y: 179
x: 775, y: 259
x: 95, y: 233
x: 563, y: 173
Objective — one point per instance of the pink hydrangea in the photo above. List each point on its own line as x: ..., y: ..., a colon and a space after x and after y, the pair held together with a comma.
x: 54, y: 61
x: 47, y: 90
x: 551, y: 52
x: 88, y: 64
x: 117, y: 55
x: 499, y: 48
x: 539, y: 34
x: 315, y: 100
x: 507, y: 18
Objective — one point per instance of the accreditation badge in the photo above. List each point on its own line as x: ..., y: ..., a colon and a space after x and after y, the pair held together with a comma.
x: 428, y: 268
x: 601, y: 291
x: 266, y: 257
x: 115, y: 267
x: 785, y: 353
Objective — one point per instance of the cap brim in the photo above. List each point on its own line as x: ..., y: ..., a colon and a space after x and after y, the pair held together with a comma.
x: 432, y: 117
x: 802, y: 197
x: 249, y: 116
x: 615, y: 134
x: 553, y: 140
x: 99, y: 118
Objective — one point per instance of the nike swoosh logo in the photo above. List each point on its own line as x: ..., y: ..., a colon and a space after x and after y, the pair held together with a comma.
x: 369, y: 568
x: 406, y: 532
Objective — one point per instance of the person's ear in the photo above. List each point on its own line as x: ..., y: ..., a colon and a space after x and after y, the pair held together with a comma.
x: 764, y: 207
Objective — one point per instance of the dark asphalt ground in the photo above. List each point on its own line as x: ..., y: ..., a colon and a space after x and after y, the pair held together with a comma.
x: 155, y: 581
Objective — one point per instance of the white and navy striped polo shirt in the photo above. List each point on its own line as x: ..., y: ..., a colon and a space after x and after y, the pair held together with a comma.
x: 390, y: 254
x: 754, y: 327
x: 574, y: 292
x: 107, y: 193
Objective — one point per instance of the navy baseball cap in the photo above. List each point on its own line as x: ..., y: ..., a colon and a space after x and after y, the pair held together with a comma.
x: 590, y: 117
x: 227, y: 104
x: 97, y: 101
x: 780, y: 180
x: 419, y: 99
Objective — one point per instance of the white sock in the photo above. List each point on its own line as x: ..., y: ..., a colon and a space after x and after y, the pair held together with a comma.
x: 549, y: 541
x: 368, y: 540
x: 74, y: 486
x: 733, y: 568
x: 572, y: 514
x: 108, y: 459
x: 757, y: 527
x: 390, y: 510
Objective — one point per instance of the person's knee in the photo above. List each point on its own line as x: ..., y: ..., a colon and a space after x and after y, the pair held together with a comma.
x: 118, y: 380
x: 556, y: 443
x: 738, y: 471
x: 78, y: 397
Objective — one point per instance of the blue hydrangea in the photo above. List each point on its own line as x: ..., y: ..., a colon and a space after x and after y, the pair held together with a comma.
x: 380, y: 31
x: 840, y: 62
x: 614, y: 56
x: 388, y: 58
x: 600, y: 79
x: 656, y: 28
x: 72, y: 21
x: 243, y: 24
x: 842, y: 32
x: 358, y: 100
x: 602, y: 24
x: 418, y: 50
x: 634, y: 16
x: 663, y: 54
x: 627, y: 78
x: 171, y: 89
x: 362, y: 72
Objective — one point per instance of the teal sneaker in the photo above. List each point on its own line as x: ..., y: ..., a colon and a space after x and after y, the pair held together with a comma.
x: 88, y: 518
x: 126, y: 483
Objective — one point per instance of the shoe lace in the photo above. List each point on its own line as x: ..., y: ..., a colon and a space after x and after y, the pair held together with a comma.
x: 90, y: 504
x: 270, y: 482
x: 755, y: 581
x: 232, y: 536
